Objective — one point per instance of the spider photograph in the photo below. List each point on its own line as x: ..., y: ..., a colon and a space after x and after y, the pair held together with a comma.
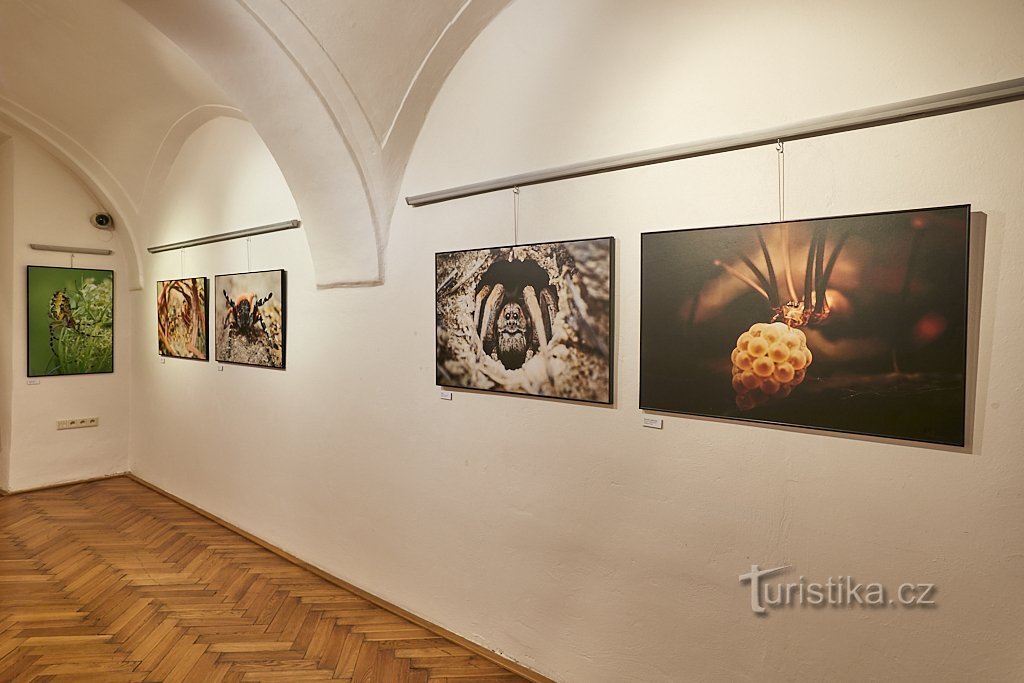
x: 250, y: 318
x: 182, y: 318
x: 70, y: 321
x: 532, y: 319
x: 853, y: 324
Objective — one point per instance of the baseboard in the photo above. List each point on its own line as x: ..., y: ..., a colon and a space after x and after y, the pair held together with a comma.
x: 47, y: 487
x: 512, y: 666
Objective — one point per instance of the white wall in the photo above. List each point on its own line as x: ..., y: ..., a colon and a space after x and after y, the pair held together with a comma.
x: 51, y: 206
x: 196, y: 430
x: 6, y: 301
x: 565, y: 535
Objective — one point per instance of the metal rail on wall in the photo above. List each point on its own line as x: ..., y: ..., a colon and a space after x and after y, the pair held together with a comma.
x: 225, y: 236
x: 924, y: 107
x: 71, y: 250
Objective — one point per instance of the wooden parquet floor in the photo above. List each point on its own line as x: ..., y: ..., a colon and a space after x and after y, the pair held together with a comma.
x: 109, y: 581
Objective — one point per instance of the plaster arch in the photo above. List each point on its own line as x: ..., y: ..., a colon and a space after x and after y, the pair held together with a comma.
x: 340, y: 122
x: 174, y: 139
x: 91, y: 171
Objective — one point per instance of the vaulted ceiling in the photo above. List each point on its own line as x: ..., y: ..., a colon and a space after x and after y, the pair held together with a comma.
x: 338, y: 91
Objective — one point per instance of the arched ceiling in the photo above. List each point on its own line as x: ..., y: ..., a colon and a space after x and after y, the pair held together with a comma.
x: 337, y: 90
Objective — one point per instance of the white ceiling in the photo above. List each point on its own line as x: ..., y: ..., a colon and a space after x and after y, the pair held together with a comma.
x: 114, y: 87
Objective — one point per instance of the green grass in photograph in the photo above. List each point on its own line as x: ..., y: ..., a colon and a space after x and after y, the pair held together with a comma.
x: 71, y: 321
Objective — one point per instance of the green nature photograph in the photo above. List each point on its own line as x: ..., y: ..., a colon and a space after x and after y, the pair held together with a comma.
x: 70, y: 321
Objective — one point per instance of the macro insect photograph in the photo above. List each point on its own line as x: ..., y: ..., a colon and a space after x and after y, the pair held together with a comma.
x: 852, y: 324
x: 182, y: 318
x: 70, y: 321
x: 250, y: 318
x: 532, y: 319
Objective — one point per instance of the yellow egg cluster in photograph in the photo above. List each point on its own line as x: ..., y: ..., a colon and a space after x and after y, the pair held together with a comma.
x: 769, y: 360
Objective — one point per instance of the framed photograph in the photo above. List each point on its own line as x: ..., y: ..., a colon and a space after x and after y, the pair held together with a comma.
x: 250, y: 318
x: 182, y: 318
x: 853, y: 324
x: 533, y: 319
x: 70, y: 321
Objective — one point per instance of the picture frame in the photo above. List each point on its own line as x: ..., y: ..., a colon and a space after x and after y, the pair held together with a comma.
x: 534, y: 319
x: 70, y: 321
x: 870, y: 311
x: 250, y: 318
x: 183, y: 318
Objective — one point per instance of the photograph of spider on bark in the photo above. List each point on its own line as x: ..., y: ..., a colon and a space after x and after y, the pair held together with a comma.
x: 531, y: 319
x: 250, y: 318
x: 182, y: 318
x: 854, y: 324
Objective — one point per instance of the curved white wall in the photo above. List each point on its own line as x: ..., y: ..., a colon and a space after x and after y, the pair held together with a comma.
x: 564, y: 535
x: 47, y: 203
x: 6, y: 302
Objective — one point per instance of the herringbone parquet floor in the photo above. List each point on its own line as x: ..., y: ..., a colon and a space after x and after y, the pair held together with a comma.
x: 110, y: 581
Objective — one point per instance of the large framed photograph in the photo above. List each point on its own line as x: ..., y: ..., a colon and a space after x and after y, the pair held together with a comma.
x: 70, y: 321
x: 250, y: 318
x: 533, y: 319
x: 182, y: 318
x: 854, y: 324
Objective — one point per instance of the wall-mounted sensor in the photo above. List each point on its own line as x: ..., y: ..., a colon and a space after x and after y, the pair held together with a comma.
x: 103, y: 221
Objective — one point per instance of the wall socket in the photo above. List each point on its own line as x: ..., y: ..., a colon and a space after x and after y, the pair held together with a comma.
x: 78, y: 423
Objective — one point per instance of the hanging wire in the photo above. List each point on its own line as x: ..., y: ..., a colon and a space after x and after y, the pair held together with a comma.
x: 787, y: 266
x: 780, y: 148
x: 515, y: 215
x: 248, y: 253
x: 181, y: 253
x: 72, y: 259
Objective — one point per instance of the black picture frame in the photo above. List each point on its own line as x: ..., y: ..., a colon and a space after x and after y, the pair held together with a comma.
x: 248, y: 339
x: 887, y: 349
x: 573, y: 295
x: 69, y: 321
x: 179, y: 317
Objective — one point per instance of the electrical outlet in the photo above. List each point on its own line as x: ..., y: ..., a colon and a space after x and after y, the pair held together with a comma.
x: 78, y: 423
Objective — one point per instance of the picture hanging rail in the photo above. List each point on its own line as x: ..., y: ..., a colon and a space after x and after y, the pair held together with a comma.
x: 225, y: 236
x: 924, y: 107
x: 71, y: 250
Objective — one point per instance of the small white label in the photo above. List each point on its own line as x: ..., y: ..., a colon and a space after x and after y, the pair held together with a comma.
x: 220, y: 368
x: 654, y: 422
x: 31, y: 382
x: 163, y: 361
x: 446, y: 395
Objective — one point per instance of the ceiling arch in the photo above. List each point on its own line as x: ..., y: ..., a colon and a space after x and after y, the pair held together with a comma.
x: 99, y: 88
x: 99, y: 180
x: 337, y: 91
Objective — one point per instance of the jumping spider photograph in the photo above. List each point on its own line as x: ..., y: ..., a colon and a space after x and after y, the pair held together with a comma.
x: 250, y: 318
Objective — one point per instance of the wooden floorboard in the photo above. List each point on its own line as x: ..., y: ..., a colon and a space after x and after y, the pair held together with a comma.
x: 111, y: 581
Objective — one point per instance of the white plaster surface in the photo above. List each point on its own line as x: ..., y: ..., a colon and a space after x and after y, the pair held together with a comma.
x: 48, y: 204
x: 6, y: 303
x: 567, y: 536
